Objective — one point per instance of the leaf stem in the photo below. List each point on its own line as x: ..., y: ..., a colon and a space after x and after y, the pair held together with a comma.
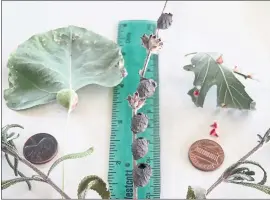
x: 221, y: 178
x: 40, y: 173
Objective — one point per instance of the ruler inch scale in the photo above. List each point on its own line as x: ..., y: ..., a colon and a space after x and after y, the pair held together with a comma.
x: 120, y: 177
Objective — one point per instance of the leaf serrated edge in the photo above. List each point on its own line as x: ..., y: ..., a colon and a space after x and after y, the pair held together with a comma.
x: 84, y: 185
x: 69, y: 157
x: 7, y: 183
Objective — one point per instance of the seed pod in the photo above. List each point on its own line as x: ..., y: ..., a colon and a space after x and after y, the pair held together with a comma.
x: 146, y: 88
x: 142, y: 174
x: 139, y: 148
x: 152, y: 43
x: 164, y: 21
x: 139, y: 123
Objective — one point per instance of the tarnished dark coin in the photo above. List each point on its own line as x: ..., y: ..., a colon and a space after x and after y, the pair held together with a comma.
x: 206, y: 155
x: 40, y: 148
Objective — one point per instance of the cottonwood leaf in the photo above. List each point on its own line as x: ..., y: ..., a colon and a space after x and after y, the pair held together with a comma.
x: 7, y: 183
x: 65, y: 58
x: 196, y: 193
x: 95, y: 183
x: 71, y: 156
x: 210, y: 70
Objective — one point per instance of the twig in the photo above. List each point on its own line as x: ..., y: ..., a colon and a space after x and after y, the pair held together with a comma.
x: 134, y: 110
x: 40, y: 173
x: 146, y: 63
x: 21, y: 174
x: 221, y: 178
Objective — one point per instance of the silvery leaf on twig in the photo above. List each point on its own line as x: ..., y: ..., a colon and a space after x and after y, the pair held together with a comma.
x: 240, y: 177
x: 263, y: 188
x: 265, y: 138
x: 13, y: 136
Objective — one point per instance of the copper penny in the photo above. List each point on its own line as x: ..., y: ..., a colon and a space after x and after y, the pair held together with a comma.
x: 40, y: 148
x: 206, y: 155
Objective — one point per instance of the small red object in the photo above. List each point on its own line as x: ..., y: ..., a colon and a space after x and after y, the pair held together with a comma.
x: 219, y: 60
x: 214, y: 125
x: 196, y: 93
x: 213, y: 132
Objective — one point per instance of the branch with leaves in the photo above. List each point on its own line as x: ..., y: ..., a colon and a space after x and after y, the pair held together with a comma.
x: 91, y: 182
x: 142, y: 172
x: 238, y: 174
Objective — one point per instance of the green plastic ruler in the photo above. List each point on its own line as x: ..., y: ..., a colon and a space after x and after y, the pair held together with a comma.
x: 120, y: 160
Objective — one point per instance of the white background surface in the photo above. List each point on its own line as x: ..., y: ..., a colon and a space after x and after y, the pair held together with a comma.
x: 239, y: 30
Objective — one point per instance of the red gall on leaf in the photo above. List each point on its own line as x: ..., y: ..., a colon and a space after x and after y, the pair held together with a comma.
x: 196, y: 93
x: 220, y: 60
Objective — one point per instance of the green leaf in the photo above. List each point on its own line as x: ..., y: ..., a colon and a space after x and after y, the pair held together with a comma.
x: 196, y: 193
x: 210, y: 70
x: 71, y: 156
x: 95, y: 183
x: 65, y: 58
x: 190, y: 193
x: 7, y: 183
x: 263, y: 188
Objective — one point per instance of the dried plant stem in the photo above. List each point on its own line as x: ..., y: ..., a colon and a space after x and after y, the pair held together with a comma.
x: 146, y: 63
x: 134, y: 112
x: 165, y: 4
x: 220, y: 179
x: 40, y: 173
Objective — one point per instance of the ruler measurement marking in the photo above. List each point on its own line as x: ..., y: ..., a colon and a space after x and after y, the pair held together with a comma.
x: 120, y: 182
